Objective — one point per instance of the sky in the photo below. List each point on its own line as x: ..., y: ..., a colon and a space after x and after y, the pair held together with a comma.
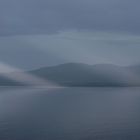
x: 37, y: 33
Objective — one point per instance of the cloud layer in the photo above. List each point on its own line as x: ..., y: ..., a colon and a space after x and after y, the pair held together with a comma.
x: 35, y: 51
x: 51, y: 16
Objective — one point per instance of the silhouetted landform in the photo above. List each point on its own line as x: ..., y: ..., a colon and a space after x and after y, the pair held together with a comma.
x: 83, y: 75
x: 78, y: 74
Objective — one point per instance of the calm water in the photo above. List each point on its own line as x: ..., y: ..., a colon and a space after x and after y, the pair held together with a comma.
x: 70, y: 114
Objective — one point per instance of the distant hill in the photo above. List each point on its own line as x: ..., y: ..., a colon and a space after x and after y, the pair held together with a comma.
x: 79, y: 74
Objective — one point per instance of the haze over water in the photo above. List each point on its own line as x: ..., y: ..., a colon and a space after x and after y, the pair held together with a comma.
x: 69, y: 114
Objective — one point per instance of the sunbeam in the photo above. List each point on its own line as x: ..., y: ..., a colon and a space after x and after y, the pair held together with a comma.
x: 21, y: 76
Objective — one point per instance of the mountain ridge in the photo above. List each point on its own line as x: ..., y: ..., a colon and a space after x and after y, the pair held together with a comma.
x: 80, y: 74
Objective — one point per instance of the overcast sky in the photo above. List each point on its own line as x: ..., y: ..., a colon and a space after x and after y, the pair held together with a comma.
x: 36, y: 33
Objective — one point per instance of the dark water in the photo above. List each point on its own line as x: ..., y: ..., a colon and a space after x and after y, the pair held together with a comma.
x: 70, y: 114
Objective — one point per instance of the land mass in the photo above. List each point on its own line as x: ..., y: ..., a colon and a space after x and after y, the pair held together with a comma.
x: 79, y: 74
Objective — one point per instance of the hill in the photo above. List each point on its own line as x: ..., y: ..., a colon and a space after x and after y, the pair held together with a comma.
x: 78, y: 74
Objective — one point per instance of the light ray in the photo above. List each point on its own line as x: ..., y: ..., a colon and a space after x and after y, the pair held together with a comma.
x: 23, y: 77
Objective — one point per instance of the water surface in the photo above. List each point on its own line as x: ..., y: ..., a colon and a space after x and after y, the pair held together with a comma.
x: 69, y: 114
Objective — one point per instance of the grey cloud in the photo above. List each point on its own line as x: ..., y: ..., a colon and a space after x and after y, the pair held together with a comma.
x: 51, y: 16
x: 22, y: 54
x: 34, y: 51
